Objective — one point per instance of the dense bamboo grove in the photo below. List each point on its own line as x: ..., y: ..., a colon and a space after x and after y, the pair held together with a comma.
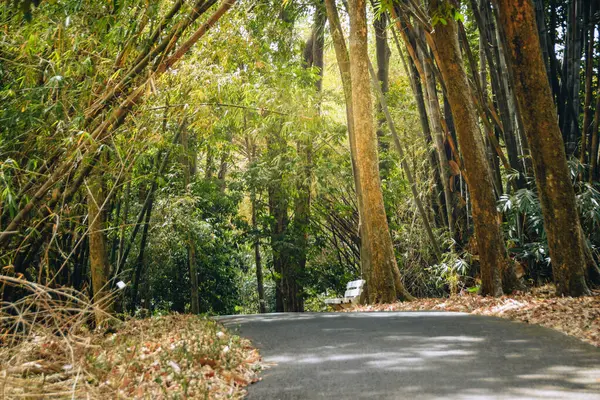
x: 252, y: 156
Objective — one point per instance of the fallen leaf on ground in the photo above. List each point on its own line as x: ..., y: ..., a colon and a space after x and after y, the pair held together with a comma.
x: 574, y: 316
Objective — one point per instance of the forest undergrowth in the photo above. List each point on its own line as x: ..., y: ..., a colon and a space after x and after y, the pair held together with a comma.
x: 574, y: 316
x: 48, y: 350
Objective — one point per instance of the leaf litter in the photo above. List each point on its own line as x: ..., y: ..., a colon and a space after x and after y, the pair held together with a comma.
x: 175, y: 356
x: 574, y: 316
x: 47, y: 350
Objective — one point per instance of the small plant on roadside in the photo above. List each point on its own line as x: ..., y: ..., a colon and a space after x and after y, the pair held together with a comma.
x: 451, y: 272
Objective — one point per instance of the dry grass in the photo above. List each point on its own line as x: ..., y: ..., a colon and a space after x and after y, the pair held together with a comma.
x: 47, y: 350
x: 578, y: 317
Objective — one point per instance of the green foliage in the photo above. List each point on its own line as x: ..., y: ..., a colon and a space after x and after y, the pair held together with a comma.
x: 524, y: 225
x: 207, y: 218
x: 444, y: 13
x: 241, y: 130
x: 452, y: 272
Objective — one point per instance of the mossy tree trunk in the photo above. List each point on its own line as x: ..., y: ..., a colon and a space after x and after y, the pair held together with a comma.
x: 378, y: 242
x: 382, y: 53
x: 538, y: 111
x: 435, y: 118
x: 490, y: 241
x: 343, y: 62
x: 99, y: 266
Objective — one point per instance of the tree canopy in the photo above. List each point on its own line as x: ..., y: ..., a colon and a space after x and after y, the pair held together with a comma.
x: 255, y: 156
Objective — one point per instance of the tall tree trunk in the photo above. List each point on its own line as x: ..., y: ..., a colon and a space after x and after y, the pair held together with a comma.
x: 223, y: 169
x: 146, y: 213
x: 140, y: 260
x: 99, y: 267
x: 302, y: 202
x: 318, y: 46
x: 115, y: 241
x: 551, y: 32
x: 80, y: 261
x: 438, y: 194
x: 257, y: 258
x: 556, y: 193
x: 251, y: 152
x: 224, y: 163
x: 408, y: 172
x: 501, y: 89
x: 147, y: 204
x: 482, y: 79
x: 194, y: 291
x: 343, y: 62
x: 278, y: 210
x: 209, y: 166
x: 382, y: 53
x: 569, y: 94
x: 587, y: 107
x: 490, y: 242
x: 123, y: 224
x: 594, y: 174
x: 380, y: 281
x: 189, y: 170
x: 540, y: 16
x: 435, y: 118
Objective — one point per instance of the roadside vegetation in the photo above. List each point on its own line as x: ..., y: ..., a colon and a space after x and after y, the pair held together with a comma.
x: 163, y: 159
x: 48, y: 350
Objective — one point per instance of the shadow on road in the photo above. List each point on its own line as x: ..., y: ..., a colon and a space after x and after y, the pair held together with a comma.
x: 416, y: 355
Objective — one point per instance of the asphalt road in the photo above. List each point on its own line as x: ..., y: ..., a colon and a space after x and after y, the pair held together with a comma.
x: 416, y: 355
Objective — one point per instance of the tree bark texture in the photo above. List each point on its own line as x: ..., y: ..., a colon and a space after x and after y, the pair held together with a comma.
x: 278, y: 210
x: 435, y: 118
x: 378, y: 241
x: 99, y: 267
x: 189, y: 170
x: 556, y: 193
x: 382, y: 53
x: 343, y: 61
x: 490, y: 241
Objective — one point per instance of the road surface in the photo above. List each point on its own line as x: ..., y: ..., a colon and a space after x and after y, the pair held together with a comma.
x: 416, y: 355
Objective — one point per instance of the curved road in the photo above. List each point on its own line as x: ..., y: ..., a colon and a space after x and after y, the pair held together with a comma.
x: 416, y: 355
